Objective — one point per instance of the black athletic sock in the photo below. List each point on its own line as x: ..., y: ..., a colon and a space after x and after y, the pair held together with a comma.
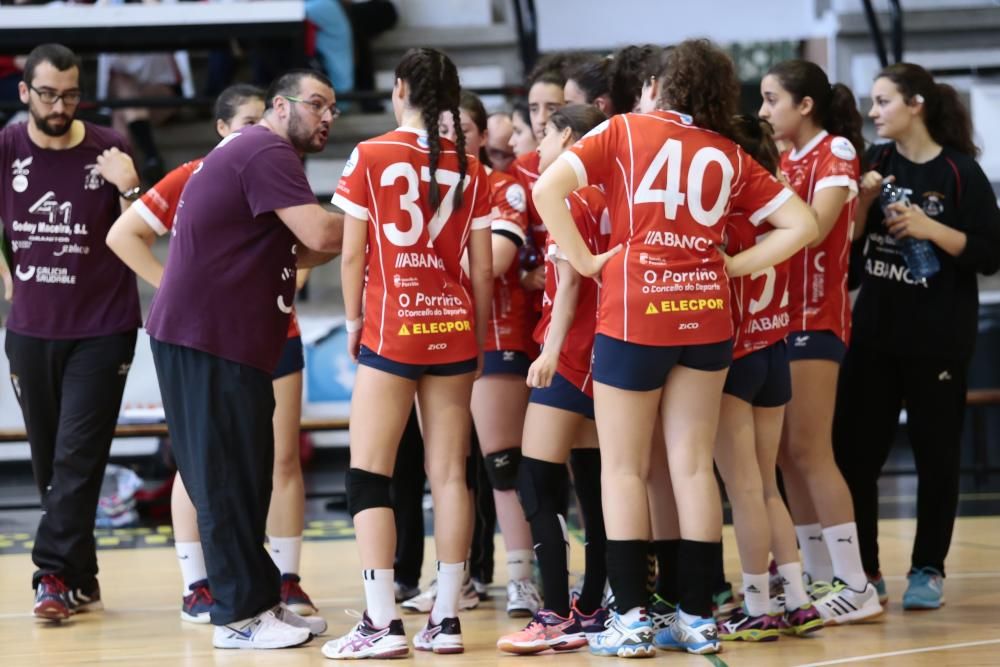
x: 719, y: 583
x: 627, y: 573
x: 586, y: 465
x: 695, y: 577
x: 541, y: 484
x: 666, y: 561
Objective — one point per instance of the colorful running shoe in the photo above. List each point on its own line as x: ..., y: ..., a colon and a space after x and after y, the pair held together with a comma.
x: 50, y: 599
x: 522, y: 598
x: 444, y: 637
x: 197, y: 604
x: 367, y: 641
x: 817, y: 589
x: 846, y: 605
x: 925, y: 589
x: 802, y: 621
x: 741, y: 626
x: 879, y: 583
x: 83, y: 600
x: 700, y: 637
x: 634, y: 640
x: 724, y: 603
x: 591, y: 623
x: 661, y: 612
x: 294, y: 597
x: 547, y: 630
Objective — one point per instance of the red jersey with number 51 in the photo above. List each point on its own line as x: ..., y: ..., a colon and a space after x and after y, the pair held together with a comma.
x: 418, y: 306
x: 670, y: 187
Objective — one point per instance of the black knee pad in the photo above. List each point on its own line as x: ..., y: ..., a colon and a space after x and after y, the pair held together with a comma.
x: 366, y: 490
x: 501, y: 468
x: 542, y: 486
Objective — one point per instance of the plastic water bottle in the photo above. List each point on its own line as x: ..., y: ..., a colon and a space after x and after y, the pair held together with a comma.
x: 918, y: 254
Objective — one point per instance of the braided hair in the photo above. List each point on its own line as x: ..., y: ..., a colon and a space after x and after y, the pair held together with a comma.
x: 434, y: 87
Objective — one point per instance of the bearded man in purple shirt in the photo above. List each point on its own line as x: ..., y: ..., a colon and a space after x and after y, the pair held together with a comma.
x: 74, y: 314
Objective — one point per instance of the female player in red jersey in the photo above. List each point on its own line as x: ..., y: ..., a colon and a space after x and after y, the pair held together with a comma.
x: 500, y: 396
x: 522, y: 139
x: 131, y: 238
x: 758, y: 385
x: 560, y: 417
x: 414, y: 203
x: 588, y: 82
x: 823, y: 127
x: 664, y: 329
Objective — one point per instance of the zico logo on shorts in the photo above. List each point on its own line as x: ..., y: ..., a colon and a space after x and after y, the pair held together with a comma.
x: 684, y: 305
x: 422, y: 328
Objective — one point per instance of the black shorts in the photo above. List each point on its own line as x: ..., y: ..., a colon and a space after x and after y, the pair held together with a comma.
x: 762, y: 378
x: 564, y: 395
x: 645, y: 367
x: 413, y: 371
x: 506, y: 362
x: 822, y: 344
x: 292, y: 359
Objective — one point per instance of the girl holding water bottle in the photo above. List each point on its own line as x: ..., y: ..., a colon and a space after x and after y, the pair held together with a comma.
x: 915, y: 323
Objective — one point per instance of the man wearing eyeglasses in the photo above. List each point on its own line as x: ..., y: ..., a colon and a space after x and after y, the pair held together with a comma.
x: 247, y: 219
x: 74, y: 314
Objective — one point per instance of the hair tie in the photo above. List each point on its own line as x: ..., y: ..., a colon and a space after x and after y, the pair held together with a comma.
x: 919, y: 98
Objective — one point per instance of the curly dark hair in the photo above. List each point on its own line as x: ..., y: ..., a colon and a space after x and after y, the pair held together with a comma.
x: 699, y: 79
x: 630, y: 67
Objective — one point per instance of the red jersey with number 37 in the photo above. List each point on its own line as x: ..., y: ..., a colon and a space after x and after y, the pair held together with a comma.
x: 670, y: 186
x: 760, y: 300
x: 509, y: 328
x: 818, y: 283
x: 590, y: 212
x: 418, y: 305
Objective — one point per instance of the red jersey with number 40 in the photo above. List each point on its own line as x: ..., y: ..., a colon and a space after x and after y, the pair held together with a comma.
x: 670, y: 186
x: 509, y: 328
x: 418, y: 307
x: 590, y: 212
x: 818, y: 283
x: 760, y: 300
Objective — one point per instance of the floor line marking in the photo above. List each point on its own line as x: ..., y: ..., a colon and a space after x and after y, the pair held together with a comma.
x: 891, y: 654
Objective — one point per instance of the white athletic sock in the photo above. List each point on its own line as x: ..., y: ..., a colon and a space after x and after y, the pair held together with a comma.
x: 192, y: 561
x: 842, y: 542
x: 450, y: 577
x: 756, y: 593
x: 689, y: 619
x: 791, y: 582
x: 815, y: 555
x: 380, y: 597
x: 632, y: 615
x: 286, y: 552
x: 519, y: 564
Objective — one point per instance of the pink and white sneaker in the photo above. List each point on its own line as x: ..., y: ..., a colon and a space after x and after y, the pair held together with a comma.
x: 367, y: 641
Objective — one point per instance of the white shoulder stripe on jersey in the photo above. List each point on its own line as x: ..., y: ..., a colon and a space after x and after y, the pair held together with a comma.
x: 482, y: 222
x: 149, y: 217
x: 576, y: 163
x: 349, y: 207
x: 501, y: 225
x: 771, y: 206
x: 841, y: 181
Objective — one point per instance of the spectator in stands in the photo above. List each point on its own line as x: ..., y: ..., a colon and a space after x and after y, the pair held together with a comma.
x: 369, y: 19
x: 913, y: 339
x: 10, y: 76
x: 499, y: 128
x: 333, y: 43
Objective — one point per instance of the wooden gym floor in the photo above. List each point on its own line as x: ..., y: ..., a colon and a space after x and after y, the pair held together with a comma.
x: 141, y: 589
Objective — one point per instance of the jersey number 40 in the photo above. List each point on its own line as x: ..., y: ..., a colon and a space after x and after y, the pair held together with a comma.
x: 670, y: 157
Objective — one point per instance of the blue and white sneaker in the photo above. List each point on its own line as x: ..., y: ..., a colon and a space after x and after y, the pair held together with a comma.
x: 700, y: 637
x: 878, y: 581
x: 634, y: 640
x: 925, y: 589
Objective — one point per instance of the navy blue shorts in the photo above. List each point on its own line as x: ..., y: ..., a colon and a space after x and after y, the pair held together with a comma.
x: 564, y: 395
x: 645, y: 367
x: 822, y: 344
x: 509, y: 362
x: 413, y: 371
x: 762, y: 378
x: 292, y: 359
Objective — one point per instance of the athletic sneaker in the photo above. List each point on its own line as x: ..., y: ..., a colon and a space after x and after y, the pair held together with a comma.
x: 775, y: 582
x: 661, y: 612
x: 82, y: 601
x: 197, y: 605
x: 367, y: 641
x: 405, y: 591
x: 818, y: 589
x: 314, y: 624
x: 591, y: 623
x: 700, y: 637
x: 846, y: 605
x: 443, y: 637
x: 265, y: 631
x: 294, y: 597
x: 547, y: 630
x: 624, y: 641
x: 741, y: 626
x: 802, y: 621
x: 879, y: 583
x: 482, y: 589
x: 50, y: 599
x: 724, y: 603
x: 925, y: 589
x: 423, y: 603
x: 522, y: 598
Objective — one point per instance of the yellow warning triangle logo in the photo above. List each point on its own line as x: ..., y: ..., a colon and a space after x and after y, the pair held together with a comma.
x: 403, y: 331
x: 651, y: 309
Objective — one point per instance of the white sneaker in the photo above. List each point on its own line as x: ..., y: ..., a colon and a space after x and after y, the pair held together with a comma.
x: 423, y: 603
x: 265, y: 630
x: 314, y: 624
x: 482, y: 590
x: 624, y: 641
x: 846, y: 605
x: 468, y: 598
x: 444, y: 637
x: 404, y: 592
x: 366, y: 641
x: 523, y: 599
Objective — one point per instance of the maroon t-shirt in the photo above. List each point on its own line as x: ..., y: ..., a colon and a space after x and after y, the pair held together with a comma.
x: 229, y: 281
x: 56, y: 211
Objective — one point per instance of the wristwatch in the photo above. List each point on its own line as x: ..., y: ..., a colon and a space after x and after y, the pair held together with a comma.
x: 131, y: 194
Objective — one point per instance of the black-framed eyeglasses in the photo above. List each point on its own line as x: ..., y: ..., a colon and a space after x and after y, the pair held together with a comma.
x: 317, y: 107
x: 69, y: 98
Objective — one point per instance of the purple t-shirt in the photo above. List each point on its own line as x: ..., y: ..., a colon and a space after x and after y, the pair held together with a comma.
x: 56, y: 211
x: 229, y: 281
